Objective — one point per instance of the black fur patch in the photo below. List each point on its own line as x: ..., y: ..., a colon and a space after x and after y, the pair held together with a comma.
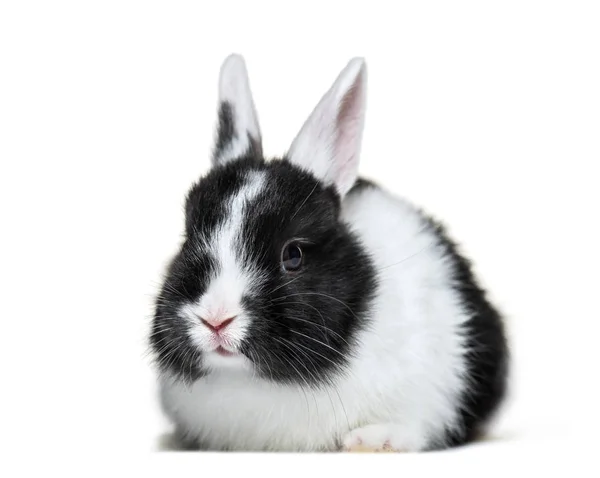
x: 225, y: 129
x: 227, y: 133
x: 305, y: 322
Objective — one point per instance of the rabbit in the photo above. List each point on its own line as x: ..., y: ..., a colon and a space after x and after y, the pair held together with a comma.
x: 309, y: 309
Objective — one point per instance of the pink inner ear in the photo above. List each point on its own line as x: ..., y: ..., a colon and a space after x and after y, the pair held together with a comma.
x: 348, y: 129
x: 329, y: 142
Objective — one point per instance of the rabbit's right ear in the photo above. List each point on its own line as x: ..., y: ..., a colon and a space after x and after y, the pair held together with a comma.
x: 329, y: 142
x: 238, y: 132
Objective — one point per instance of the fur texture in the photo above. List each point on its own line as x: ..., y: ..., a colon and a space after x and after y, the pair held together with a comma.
x: 381, y: 339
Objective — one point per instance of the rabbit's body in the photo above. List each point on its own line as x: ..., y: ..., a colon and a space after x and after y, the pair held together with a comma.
x: 392, y: 344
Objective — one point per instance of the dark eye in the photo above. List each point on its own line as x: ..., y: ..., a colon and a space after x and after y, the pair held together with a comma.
x: 291, y: 257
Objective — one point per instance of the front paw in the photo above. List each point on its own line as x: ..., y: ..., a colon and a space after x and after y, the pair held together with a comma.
x: 378, y: 438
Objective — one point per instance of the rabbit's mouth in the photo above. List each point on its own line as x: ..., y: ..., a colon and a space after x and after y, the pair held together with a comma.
x: 223, y: 352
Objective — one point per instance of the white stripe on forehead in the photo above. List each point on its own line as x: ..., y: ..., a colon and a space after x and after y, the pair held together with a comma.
x: 232, y: 279
x: 226, y: 238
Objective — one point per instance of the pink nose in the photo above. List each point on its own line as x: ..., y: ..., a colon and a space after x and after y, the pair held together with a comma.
x: 217, y: 324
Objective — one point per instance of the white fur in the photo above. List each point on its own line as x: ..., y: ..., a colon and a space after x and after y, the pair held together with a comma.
x: 222, y: 298
x: 329, y: 142
x: 234, y: 88
x: 404, y: 384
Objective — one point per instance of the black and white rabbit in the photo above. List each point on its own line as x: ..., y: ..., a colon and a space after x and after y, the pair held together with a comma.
x: 308, y: 309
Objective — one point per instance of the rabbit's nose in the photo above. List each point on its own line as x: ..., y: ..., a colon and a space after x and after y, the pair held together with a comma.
x: 215, y: 324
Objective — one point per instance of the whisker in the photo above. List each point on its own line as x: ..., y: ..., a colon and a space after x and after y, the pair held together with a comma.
x: 306, y: 199
x: 283, y: 285
x: 322, y: 295
x: 409, y: 257
x: 254, y: 359
x: 314, y: 377
x: 164, y: 347
x: 319, y: 342
x: 314, y: 323
x: 337, y: 392
x: 302, y: 377
x: 311, y: 374
x: 172, y: 289
x: 270, y: 369
x: 335, y: 388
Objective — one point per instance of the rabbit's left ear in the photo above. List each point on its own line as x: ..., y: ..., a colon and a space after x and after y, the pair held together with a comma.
x: 238, y: 132
x: 328, y: 144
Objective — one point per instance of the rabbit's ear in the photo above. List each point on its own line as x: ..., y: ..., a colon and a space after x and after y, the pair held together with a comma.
x: 328, y: 144
x: 238, y: 132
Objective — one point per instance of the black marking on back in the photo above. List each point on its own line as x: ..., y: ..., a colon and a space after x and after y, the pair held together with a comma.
x: 488, y: 355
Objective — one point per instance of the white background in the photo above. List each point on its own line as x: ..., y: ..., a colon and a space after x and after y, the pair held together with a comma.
x: 485, y: 113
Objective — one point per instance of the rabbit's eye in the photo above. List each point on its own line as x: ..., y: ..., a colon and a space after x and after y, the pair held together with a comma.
x: 291, y: 257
